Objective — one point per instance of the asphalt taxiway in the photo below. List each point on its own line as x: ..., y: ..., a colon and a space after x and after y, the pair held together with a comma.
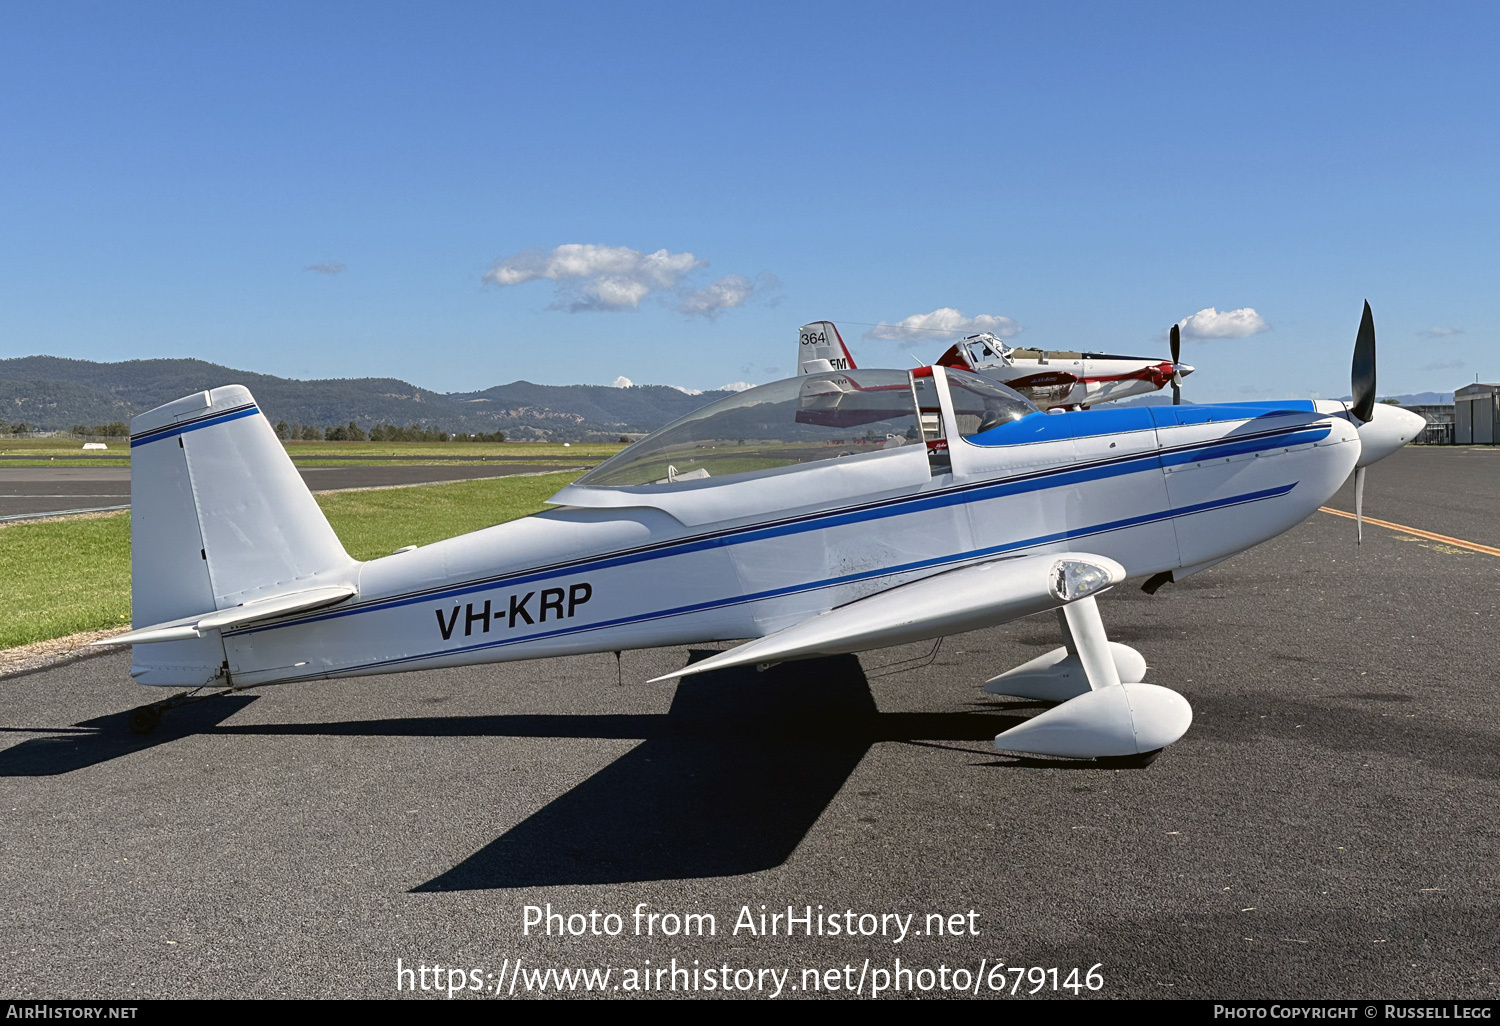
x: 1326, y: 828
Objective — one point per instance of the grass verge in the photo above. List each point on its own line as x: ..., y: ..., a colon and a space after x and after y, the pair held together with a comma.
x: 66, y: 576
x: 376, y: 523
x: 63, y: 576
x: 43, y: 452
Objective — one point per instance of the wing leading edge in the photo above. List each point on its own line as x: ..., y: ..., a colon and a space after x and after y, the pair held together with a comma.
x: 966, y: 599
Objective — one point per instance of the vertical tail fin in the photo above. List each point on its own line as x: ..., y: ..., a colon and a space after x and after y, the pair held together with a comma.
x: 219, y: 517
x: 821, y: 348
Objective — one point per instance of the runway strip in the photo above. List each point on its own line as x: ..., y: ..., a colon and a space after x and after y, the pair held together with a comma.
x: 64, y: 490
x: 1430, y: 536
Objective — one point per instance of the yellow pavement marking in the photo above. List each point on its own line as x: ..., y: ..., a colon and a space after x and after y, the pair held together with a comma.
x: 1471, y: 546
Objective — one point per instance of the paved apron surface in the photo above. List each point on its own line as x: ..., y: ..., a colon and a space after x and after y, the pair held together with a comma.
x: 1326, y: 828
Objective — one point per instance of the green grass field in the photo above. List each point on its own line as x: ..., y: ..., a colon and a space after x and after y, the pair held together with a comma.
x: 44, y: 451
x: 63, y: 576
x: 9, y: 444
x: 66, y: 576
x: 45, y: 447
x: 334, y: 450
x: 377, y: 523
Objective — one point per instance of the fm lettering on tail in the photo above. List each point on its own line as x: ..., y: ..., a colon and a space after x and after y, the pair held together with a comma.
x: 507, y: 612
x: 821, y: 348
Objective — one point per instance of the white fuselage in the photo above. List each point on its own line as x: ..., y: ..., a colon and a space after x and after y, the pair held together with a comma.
x: 1161, y: 488
x: 1063, y: 380
x: 1079, y: 380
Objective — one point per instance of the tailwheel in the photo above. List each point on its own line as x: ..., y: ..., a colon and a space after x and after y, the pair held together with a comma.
x: 145, y: 719
x: 148, y: 717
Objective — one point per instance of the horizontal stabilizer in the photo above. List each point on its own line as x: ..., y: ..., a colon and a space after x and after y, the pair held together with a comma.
x: 950, y: 603
x: 235, y: 616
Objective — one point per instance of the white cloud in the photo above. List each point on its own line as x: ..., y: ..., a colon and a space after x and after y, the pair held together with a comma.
x: 1440, y: 332
x: 687, y: 391
x: 735, y: 386
x: 717, y: 296
x: 591, y: 277
x: 1445, y: 366
x: 944, y: 321
x: 332, y: 267
x: 623, y: 382
x: 1210, y: 323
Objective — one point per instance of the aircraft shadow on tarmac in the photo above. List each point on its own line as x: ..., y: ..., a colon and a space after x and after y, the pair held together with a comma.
x: 90, y: 742
x: 728, y: 781
x: 735, y: 774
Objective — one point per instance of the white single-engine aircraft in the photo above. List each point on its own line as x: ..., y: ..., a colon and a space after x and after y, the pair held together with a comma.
x: 813, y: 528
x: 1069, y: 381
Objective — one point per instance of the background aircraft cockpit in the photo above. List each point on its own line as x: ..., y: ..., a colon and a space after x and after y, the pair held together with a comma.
x: 980, y: 404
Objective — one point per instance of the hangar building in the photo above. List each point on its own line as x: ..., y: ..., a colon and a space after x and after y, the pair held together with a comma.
x: 1439, y: 417
x: 1476, y: 414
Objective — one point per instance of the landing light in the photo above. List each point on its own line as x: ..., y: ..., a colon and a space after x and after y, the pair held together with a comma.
x: 1073, y: 579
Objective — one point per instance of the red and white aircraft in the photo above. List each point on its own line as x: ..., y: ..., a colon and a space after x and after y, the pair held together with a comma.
x: 1050, y: 379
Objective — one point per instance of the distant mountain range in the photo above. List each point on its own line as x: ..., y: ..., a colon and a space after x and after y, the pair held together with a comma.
x: 51, y: 393
x: 1412, y: 399
x: 1417, y: 399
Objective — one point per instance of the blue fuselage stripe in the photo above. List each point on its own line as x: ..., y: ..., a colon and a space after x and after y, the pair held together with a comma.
x: 898, y: 506
x: 973, y: 556
x: 173, y: 430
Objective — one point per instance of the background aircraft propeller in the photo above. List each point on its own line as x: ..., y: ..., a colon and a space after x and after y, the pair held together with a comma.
x: 1176, y: 338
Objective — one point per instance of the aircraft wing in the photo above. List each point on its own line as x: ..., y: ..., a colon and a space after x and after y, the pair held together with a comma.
x: 966, y: 599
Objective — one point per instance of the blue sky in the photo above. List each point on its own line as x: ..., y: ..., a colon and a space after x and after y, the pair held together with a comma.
x: 169, y: 172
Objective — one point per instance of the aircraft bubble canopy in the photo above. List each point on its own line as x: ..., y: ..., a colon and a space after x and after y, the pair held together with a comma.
x: 795, y: 421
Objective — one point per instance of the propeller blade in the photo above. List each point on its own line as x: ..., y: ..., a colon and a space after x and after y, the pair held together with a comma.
x: 1359, y: 506
x: 1176, y: 339
x: 1362, y: 374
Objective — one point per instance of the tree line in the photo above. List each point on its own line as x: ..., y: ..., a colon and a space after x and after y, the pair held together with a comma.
x: 352, y: 432
x: 114, y: 429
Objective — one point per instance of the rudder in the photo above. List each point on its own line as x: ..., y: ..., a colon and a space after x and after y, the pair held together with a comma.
x: 219, y: 518
x: 820, y: 348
